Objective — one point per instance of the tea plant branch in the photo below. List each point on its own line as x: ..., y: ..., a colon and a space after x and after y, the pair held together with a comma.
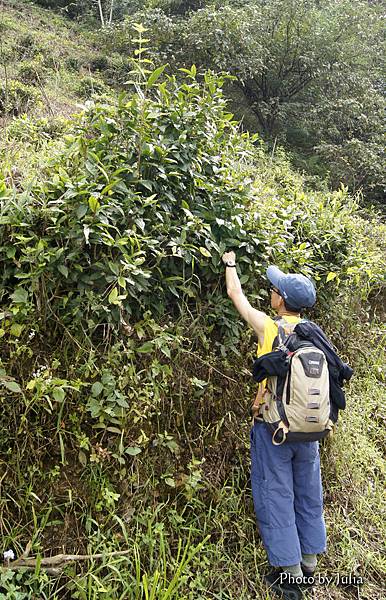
x: 209, y: 365
x: 4, y: 63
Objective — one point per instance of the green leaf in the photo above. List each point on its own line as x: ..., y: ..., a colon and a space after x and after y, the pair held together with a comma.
x: 147, y: 184
x: 20, y: 296
x: 173, y: 446
x: 16, y: 329
x: 114, y: 430
x: 166, y: 351
x: 170, y: 482
x: 12, y: 386
x: 133, y: 450
x: 94, y: 407
x: 58, y: 394
x: 114, y: 267
x: 94, y: 204
x: 155, y: 75
x: 81, y: 210
x: 330, y: 276
x: 113, y: 296
x: 96, y: 388
x: 146, y: 347
x: 121, y: 402
x: 205, y: 252
x: 63, y: 270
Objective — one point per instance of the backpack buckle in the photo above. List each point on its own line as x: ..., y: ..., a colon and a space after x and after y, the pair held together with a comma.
x: 284, y: 430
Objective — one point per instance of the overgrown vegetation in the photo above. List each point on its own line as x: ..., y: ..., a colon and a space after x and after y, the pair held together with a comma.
x: 124, y: 376
x: 308, y: 74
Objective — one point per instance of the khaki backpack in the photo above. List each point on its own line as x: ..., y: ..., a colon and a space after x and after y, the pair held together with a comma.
x: 297, y: 406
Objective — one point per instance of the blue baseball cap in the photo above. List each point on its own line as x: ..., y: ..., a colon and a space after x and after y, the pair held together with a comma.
x: 297, y: 290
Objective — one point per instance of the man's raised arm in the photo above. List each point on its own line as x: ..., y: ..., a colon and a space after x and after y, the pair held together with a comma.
x: 255, y: 318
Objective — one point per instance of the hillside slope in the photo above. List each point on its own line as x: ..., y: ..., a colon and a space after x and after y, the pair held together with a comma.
x: 46, y: 54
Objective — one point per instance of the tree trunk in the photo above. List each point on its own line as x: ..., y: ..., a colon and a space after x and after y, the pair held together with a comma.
x: 111, y: 12
x: 101, y: 13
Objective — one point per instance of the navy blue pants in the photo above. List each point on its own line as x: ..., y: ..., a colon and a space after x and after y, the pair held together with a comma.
x: 288, y: 497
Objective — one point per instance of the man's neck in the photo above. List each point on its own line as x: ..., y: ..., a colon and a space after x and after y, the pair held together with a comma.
x: 286, y: 313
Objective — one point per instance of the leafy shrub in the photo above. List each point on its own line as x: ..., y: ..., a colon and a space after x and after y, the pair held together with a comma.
x: 72, y: 63
x: 90, y: 86
x: 31, y: 71
x: 17, y: 97
x: 99, y: 63
x: 36, y: 131
x: 146, y: 192
x: 27, y: 46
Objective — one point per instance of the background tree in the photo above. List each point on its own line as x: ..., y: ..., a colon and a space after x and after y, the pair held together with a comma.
x: 102, y: 11
x: 308, y: 74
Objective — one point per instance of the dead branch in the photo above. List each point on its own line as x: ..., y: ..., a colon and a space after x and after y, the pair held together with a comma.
x: 53, y: 565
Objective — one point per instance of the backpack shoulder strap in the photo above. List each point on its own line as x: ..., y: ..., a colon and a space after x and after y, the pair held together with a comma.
x: 285, y: 329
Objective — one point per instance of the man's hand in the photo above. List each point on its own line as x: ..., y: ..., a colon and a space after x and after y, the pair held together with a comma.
x: 229, y: 257
x: 255, y: 318
x: 255, y: 410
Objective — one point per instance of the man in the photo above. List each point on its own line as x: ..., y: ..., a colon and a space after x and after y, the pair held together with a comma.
x: 286, y: 481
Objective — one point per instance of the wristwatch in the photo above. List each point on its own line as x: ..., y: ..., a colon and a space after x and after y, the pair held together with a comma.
x: 230, y: 264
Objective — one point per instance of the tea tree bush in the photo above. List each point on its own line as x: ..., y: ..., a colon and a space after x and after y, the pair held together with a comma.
x: 148, y: 193
x: 32, y: 72
x: 141, y: 193
x: 17, y: 97
x: 90, y: 86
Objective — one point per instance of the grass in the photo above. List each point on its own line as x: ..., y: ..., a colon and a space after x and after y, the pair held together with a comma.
x: 205, y: 545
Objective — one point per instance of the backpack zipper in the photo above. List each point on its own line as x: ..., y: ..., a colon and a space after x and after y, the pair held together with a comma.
x: 288, y: 389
